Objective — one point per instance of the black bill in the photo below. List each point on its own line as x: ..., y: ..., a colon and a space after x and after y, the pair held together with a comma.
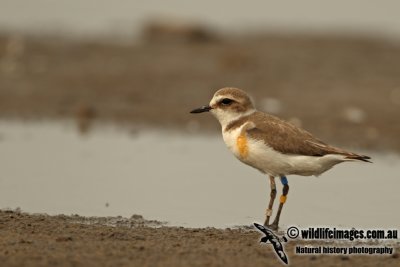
x: 202, y: 109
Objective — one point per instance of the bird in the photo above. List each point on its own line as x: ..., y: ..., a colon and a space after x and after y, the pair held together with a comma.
x: 275, y: 241
x: 271, y: 145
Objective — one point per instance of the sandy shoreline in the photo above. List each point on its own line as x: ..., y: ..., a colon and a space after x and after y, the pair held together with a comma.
x: 42, y: 240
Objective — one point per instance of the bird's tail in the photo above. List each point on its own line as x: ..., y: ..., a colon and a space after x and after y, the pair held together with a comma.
x: 358, y: 157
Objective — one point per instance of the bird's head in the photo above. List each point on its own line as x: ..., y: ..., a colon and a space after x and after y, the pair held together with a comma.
x: 228, y: 104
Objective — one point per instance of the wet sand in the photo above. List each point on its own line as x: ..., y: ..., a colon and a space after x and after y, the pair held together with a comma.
x: 41, y: 240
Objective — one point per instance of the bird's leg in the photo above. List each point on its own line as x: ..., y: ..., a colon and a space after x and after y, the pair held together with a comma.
x: 282, y: 201
x: 268, y: 212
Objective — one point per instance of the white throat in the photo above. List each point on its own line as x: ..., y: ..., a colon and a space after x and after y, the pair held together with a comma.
x: 225, y: 117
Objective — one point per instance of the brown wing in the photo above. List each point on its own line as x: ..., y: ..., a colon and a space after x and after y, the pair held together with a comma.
x: 289, y: 139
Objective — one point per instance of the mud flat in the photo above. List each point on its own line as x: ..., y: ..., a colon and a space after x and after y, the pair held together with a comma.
x: 42, y: 240
x: 345, y: 90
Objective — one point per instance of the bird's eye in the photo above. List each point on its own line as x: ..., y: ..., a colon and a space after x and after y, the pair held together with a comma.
x: 226, y: 101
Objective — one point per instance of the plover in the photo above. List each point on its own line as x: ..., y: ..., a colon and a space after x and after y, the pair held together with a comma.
x: 271, y: 145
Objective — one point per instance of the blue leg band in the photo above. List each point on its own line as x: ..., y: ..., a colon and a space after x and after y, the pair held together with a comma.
x: 284, y: 180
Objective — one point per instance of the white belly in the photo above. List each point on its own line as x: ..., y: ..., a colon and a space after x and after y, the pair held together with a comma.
x: 271, y: 162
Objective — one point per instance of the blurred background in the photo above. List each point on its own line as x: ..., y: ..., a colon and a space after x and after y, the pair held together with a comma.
x: 95, y: 95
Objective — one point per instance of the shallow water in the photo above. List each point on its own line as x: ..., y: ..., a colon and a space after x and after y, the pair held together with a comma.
x: 186, y: 180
